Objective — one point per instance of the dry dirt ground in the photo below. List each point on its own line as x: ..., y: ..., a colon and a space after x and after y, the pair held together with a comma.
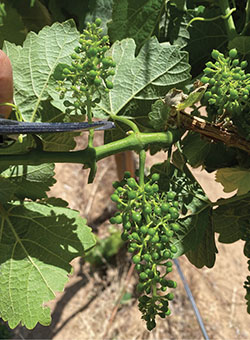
x: 83, y: 310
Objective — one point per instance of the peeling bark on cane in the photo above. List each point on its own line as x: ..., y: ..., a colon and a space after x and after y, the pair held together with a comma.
x: 6, y: 85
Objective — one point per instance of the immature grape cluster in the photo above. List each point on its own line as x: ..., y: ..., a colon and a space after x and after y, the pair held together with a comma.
x: 149, y: 220
x: 229, y: 88
x: 90, y: 69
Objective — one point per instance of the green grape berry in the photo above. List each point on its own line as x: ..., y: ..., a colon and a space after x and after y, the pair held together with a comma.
x: 115, y: 198
x: 148, y: 188
x: 215, y: 54
x: 136, y: 216
x: 127, y: 174
x: 144, y: 230
x: 165, y: 207
x: 109, y: 84
x: 135, y: 236
x: 143, y: 276
x: 155, y: 187
x: 171, y: 195
x: 155, y: 177
x: 175, y: 226
x: 243, y: 64
x: 170, y: 296
x: 132, y: 183
x: 233, y: 94
x: 167, y: 254
x: 136, y: 259
x: 151, y: 231
x: 127, y: 225
x: 97, y: 81
x: 173, y: 249
x: 98, y: 22
x: 146, y: 257
x: 132, y: 195
x: 118, y: 219
x: 157, y: 210
x: 174, y: 212
x: 147, y: 209
x: 233, y: 53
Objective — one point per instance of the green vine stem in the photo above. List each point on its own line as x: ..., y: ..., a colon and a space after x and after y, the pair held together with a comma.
x: 142, y: 161
x: 135, y: 141
x: 16, y: 109
x: 246, y: 26
x: 227, y: 15
x: 212, y: 19
x: 125, y: 121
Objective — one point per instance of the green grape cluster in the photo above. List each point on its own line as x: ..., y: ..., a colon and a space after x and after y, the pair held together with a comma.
x: 90, y: 69
x: 149, y: 220
x: 229, y: 87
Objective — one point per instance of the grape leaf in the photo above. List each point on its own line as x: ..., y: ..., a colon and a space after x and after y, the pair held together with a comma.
x: 13, y: 28
x: 229, y: 218
x: 63, y: 9
x: 159, y: 115
x: 204, y: 253
x: 156, y: 66
x: 38, y: 241
x: 30, y: 181
x: 204, y: 37
x: 234, y: 179
x: 34, y: 17
x: 212, y: 156
x: 7, y: 190
x: 195, y: 149
x: 174, y: 26
x: 34, y: 64
x: 241, y: 43
x: 134, y: 19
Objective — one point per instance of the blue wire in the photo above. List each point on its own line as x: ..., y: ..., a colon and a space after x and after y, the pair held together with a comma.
x: 191, y: 298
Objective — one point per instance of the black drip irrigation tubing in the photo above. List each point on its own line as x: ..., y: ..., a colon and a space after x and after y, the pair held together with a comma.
x: 191, y: 298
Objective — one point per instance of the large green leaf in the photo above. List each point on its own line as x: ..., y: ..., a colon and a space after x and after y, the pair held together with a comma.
x: 204, y: 37
x: 12, y: 28
x: 212, y: 156
x: 7, y: 190
x: 135, y: 19
x: 203, y: 254
x: 174, y: 26
x: 229, y: 218
x: 35, y: 62
x: 156, y: 68
x: 234, y: 179
x: 38, y: 241
x: 30, y: 181
x: 242, y: 44
x: 34, y: 17
x: 62, y: 10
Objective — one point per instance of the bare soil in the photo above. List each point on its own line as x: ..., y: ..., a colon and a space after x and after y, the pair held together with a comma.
x: 84, y: 309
